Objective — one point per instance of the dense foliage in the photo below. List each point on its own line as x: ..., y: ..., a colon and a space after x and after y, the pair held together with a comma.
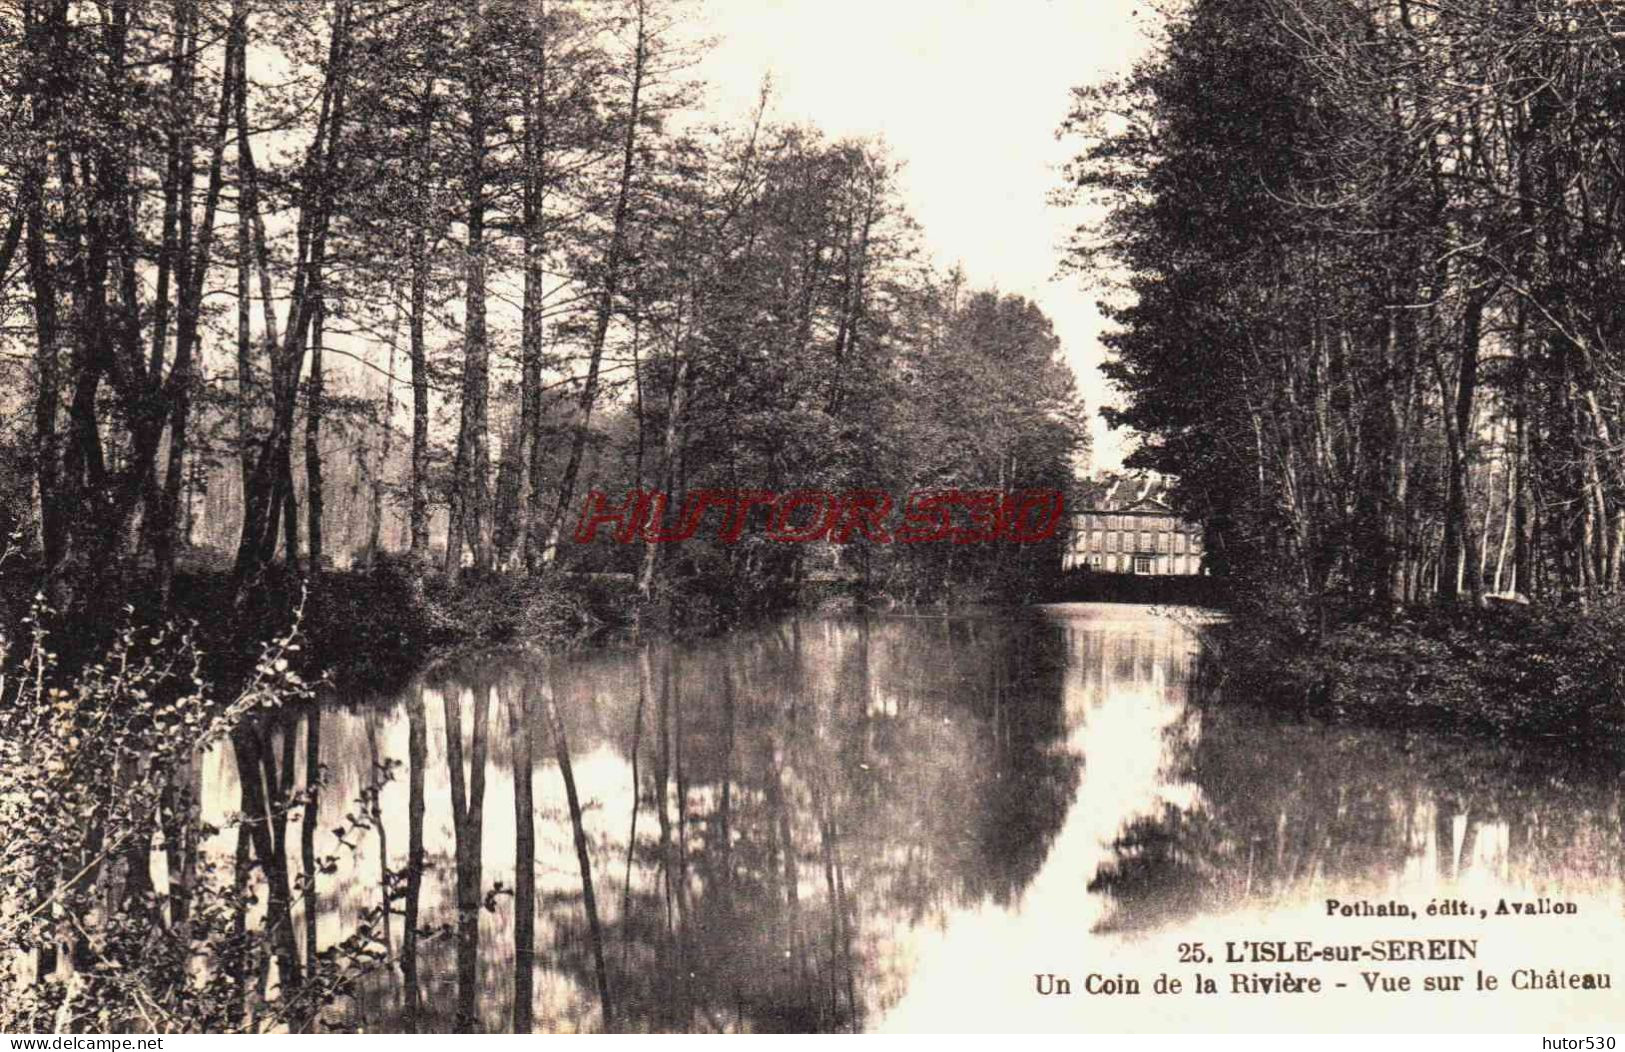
x: 1367, y: 257
x: 290, y: 283
x: 288, y: 286
x: 1384, y: 236
x: 99, y: 791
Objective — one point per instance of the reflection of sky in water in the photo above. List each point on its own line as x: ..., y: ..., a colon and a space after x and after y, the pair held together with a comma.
x: 1144, y: 766
x: 893, y: 824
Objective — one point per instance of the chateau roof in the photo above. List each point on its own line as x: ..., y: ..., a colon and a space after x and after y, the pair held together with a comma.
x: 1116, y: 492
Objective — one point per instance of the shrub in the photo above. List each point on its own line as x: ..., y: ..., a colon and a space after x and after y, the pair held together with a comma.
x: 1553, y: 671
x: 95, y: 775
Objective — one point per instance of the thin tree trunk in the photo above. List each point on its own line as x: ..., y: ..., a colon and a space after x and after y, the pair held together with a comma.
x: 532, y: 330
x: 606, y: 297
x: 1508, y: 512
x: 419, y: 261
x: 375, y: 516
x: 1459, y: 539
x: 668, y: 451
x: 313, y: 448
x: 245, y: 346
x: 471, y: 504
x: 271, y: 488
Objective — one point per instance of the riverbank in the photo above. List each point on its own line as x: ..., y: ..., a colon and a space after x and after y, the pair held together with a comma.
x: 1549, y: 672
x: 373, y: 627
x: 1546, y: 671
x: 1083, y: 585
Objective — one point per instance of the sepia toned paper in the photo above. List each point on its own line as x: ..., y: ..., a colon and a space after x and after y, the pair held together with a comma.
x: 411, y: 625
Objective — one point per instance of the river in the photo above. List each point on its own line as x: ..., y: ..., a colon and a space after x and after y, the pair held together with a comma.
x: 908, y: 823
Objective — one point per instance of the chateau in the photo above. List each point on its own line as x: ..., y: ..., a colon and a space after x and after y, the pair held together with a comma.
x: 1123, y: 524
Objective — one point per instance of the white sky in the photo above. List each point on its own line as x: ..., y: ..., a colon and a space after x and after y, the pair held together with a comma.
x: 968, y: 94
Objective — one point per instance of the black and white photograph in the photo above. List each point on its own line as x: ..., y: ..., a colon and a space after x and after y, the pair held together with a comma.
x: 827, y: 517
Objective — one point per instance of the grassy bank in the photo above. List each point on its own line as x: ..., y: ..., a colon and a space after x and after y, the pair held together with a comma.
x: 1526, y: 671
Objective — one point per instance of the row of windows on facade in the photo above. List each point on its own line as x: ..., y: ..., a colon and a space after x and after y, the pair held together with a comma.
x: 1106, y: 521
x: 1158, y: 541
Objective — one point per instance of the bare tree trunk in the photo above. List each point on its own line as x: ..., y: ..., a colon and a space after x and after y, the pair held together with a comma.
x: 1459, y: 540
x: 530, y: 524
x: 245, y: 345
x: 668, y: 451
x: 54, y: 536
x: 1509, y: 510
x: 313, y: 449
x: 375, y: 515
x: 606, y: 297
x: 1489, y: 517
x: 271, y: 482
x: 419, y: 261
x: 191, y: 273
x: 510, y: 482
x: 471, y: 505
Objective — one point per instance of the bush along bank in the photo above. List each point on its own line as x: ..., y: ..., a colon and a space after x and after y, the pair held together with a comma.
x: 371, y: 628
x: 1543, y: 671
x: 376, y: 626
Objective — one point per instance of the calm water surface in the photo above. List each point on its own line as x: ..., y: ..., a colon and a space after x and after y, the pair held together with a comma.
x: 896, y: 823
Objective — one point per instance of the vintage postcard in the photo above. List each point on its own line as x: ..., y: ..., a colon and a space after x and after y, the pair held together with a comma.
x: 811, y: 516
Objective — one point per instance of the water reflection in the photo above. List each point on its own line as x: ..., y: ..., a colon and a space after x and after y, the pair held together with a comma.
x: 846, y: 824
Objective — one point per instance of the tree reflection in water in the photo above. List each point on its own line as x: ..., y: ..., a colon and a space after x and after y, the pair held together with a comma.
x: 753, y: 832
x: 1290, y: 807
